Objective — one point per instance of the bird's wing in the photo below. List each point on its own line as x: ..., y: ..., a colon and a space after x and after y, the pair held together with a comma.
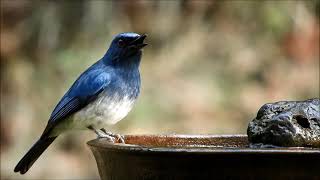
x: 86, y: 89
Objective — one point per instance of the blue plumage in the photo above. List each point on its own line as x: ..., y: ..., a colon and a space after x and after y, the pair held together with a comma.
x: 84, y: 90
x: 102, y: 95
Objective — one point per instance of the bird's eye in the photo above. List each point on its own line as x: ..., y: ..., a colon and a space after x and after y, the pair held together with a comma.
x: 121, y: 43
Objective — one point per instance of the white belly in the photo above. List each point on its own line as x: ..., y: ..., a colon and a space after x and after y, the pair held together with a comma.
x: 100, y: 113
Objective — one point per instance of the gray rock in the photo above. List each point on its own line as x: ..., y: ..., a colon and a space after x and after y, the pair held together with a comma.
x: 287, y: 123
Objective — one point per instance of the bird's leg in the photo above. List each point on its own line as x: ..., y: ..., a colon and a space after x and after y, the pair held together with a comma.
x: 118, y: 137
x: 101, y: 134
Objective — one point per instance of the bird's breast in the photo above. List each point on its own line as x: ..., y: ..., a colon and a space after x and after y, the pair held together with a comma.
x: 106, y: 110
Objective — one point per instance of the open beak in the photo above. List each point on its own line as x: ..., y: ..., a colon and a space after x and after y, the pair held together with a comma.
x: 138, y: 43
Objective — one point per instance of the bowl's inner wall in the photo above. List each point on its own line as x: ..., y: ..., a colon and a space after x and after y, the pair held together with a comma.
x: 235, y: 141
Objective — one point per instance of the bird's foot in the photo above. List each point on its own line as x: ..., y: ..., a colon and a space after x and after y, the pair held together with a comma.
x: 117, y: 137
x: 106, y: 136
x: 102, y: 134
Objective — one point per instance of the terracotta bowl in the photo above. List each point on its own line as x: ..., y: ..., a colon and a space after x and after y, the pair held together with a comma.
x: 201, y: 157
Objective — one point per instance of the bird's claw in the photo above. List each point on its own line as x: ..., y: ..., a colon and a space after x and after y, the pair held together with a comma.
x: 109, y: 138
x: 120, y: 138
x: 117, y: 138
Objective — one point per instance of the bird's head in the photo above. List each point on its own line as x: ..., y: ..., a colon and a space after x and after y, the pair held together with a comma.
x: 124, y: 46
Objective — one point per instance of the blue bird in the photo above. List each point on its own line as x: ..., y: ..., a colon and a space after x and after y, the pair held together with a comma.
x: 101, y: 96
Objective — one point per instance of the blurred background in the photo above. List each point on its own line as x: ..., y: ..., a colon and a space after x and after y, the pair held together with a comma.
x: 209, y: 66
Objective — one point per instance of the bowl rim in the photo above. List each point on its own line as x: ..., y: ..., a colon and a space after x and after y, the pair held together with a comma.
x: 101, y: 143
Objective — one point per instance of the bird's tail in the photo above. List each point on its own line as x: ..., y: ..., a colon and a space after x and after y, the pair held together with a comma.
x: 33, y: 154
